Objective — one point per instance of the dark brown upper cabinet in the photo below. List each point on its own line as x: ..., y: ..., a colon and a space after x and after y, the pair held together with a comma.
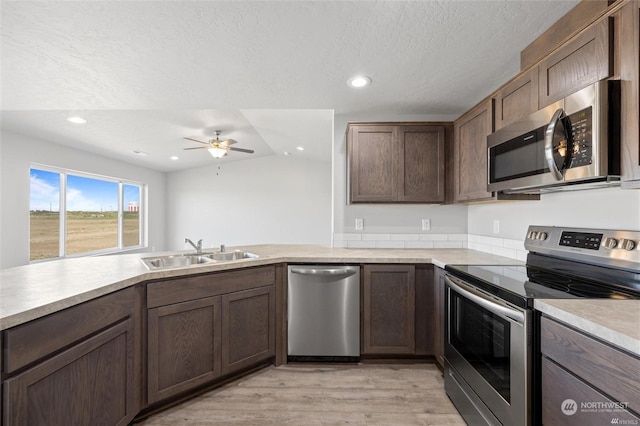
x: 517, y: 99
x: 583, y: 60
x: 627, y: 47
x: 470, y: 154
x: 396, y: 163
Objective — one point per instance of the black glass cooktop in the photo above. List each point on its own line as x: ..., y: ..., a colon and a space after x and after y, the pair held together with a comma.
x: 520, y: 285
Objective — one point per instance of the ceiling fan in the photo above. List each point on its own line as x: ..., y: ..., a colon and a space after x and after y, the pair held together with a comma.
x: 218, y: 148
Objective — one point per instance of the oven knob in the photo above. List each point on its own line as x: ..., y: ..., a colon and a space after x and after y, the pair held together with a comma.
x: 542, y: 236
x: 610, y: 243
x: 627, y: 244
x: 532, y: 235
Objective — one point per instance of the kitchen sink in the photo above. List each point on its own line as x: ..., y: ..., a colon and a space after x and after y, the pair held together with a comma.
x: 233, y: 255
x: 190, y: 259
x: 175, y: 261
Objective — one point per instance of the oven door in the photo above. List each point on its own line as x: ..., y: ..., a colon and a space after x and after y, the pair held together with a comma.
x: 487, y: 355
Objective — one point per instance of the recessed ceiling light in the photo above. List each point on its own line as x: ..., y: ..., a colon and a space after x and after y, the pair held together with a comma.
x: 359, y: 81
x: 174, y: 157
x: 76, y: 120
x: 300, y: 148
x: 140, y: 153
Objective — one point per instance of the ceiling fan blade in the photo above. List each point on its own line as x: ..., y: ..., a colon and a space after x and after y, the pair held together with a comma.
x: 197, y: 147
x: 196, y: 140
x: 248, y: 151
x: 229, y: 142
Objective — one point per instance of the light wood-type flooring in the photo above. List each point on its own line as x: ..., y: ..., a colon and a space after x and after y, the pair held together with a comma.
x: 322, y: 394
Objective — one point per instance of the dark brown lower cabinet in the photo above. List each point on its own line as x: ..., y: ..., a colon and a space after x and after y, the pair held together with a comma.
x: 184, y: 346
x: 222, y: 323
x: 388, y: 311
x: 78, y: 366
x: 248, y: 328
x: 92, y: 383
x: 586, y: 381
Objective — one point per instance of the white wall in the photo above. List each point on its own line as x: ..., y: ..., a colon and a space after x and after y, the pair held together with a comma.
x: 612, y: 208
x: 18, y: 152
x: 267, y: 200
x: 387, y: 218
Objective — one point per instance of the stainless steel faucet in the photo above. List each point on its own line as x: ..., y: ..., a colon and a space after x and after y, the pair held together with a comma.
x: 198, y: 247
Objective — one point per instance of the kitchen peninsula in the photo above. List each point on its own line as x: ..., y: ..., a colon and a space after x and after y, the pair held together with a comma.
x: 109, y: 311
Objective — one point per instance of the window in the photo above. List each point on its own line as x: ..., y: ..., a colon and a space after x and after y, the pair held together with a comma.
x: 74, y: 214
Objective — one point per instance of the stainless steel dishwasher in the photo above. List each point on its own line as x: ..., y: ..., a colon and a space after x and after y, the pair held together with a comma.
x: 323, y: 312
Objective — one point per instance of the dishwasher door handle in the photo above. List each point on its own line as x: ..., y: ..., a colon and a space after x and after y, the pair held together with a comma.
x: 322, y: 272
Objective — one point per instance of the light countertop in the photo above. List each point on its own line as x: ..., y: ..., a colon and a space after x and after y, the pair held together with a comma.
x: 33, y: 291
x: 614, y: 321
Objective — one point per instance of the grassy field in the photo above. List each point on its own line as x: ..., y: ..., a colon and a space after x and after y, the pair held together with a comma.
x: 86, y: 231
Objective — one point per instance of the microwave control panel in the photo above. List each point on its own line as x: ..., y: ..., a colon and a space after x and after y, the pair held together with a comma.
x: 579, y: 124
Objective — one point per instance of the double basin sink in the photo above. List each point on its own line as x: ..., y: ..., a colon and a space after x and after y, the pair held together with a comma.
x: 191, y: 259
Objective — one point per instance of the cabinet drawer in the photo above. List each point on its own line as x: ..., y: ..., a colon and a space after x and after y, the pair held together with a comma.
x: 614, y: 372
x: 36, y: 339
x: 561, y: 389
x: 199, y: 286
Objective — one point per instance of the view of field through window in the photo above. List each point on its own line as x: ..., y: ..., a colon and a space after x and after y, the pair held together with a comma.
x: 90, y: 213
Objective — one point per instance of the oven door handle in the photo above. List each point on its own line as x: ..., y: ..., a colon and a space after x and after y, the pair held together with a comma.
x: 502, y: 311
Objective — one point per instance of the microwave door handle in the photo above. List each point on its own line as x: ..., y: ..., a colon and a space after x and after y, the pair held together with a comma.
x: 548, y: 144
x: 493, y: 307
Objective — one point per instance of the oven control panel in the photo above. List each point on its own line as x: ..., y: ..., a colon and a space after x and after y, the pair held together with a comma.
x: 601, y: 246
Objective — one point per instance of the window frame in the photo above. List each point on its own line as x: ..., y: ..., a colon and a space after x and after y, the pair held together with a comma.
x: 62, y: 240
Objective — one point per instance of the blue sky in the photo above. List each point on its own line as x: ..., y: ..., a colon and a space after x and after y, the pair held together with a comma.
x: 82, y: 193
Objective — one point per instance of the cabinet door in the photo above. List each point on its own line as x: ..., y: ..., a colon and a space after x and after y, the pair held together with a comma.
x: 438, y: 290
x: 388, y: 309
x: 248, y: 328
x: 183, y: 346
x: 425, y: 310
x: 420, y: 172
x: 585, y: 59
x: 92, y: 383
x: 628, y: 45
x: 373, y: 160
x: 517, y: 99
x: 470, y: 153
x: 563, y: 391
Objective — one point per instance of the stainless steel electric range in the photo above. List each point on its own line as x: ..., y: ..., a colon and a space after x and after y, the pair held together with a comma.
x: 492, y: 338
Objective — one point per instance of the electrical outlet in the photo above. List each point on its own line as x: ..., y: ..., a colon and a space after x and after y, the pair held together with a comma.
x: 496, y: 226
x: 426, y: 224
x: 359, y: 224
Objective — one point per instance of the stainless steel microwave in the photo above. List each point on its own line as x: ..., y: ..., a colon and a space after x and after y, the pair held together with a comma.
x: 573, y: 143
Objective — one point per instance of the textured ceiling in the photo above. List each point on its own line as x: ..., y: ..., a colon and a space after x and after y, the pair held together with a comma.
x: 147, y: 73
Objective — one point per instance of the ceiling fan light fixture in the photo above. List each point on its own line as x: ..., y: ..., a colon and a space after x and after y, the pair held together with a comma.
x: 217, y: 152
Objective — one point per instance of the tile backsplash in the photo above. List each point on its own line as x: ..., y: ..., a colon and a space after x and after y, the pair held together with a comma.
x: 513, y: 249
